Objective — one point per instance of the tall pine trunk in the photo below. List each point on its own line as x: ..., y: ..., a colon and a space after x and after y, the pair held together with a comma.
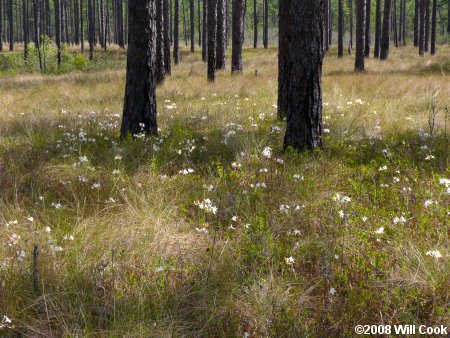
x: 376, y: 52
x: 1, y: 25
x: 167, y: 60
x: 205, y: 31
x: 360, y: 34
x: 139, y: 109
x: 416, y: 22
x: 176, y: 32
x: 427, y: 26
x: 422, y: 27
x: 11, y: 23
x: 303, y: 90
x: 212, y: 32
x: 237, y: 36
x: 58, y: 30
x: 367, y: 39
x: 192, y: 24
x: 221, y: 35
x: 433, y: 28
x: 350, y: 9
x: 25, y: 29
x: 340, y: 28
x: 159, y: 63
x: 266, y: 24
x: 385, y: 34
x: 255, y: 25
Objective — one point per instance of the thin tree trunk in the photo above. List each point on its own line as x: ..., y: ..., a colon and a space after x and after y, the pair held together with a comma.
x: 341, y: 28
x: 360, y: 34
x: 325, y: 28
x: 368, y: 28
x: 199, y: 24
x: 1, y: 25
x: 184, y: 21
x: 159, y: 42
x: 11, y: 24
x: 350, y: 9
x: 433, y: 28
x: 192, y: 24
x: 212, y: 32
x: 36, y: 6
x: 91, y: 29
x: 427, y: 26
x: 304, y: 86
x: 255, y: 25
x: 385, y: 35
x: 237, y: 39
x: 376, y: 52
x: 82, y: 25
x: 58, y: 30
x: 25, y: 29
x: 422, y: 27
x: 139, y: 109
x: 221, y: 36
x: 167, y: 60
x: 394, y: 24
x: 176, y: 32
x: 266, y: 24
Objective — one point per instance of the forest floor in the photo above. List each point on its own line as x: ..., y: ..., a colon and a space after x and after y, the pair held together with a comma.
x: 210, y: 229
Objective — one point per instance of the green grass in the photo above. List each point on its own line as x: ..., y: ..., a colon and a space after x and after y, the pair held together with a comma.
x: 146, y: 260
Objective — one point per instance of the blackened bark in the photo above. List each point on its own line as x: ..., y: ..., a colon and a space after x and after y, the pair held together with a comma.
x: 427, y: 25
x: 36, y: 8
x: 91, y: 29
x: 448, y: 16
x: 58, y: 30
x: 1, y: 25
x: 120, y: 33
x: 325, y: 26
x: 212, y: 32
x: 285, y: 22
x: 76, y: 22
x: 368, y: 29
x: 159, y: 41
x: 221, y: 43
x: 82, y: 25
x: 416, y: 23
x: 330, y: 23
x: 25, y: 29
x: 350, y: 9
x: 433, y: 28
x: 238, y: 33
x: 11, y: 24
x: 376, y: 52
x: 304, y: 87
x: 102, y: 24
x: 341, y: 28
x: 167, y: 60
x: 394, y: 23
x: 255, y: 25
x: 360, y: 34
x: 385, y: 35
x: 423, y: 5
x: 192, y: 16
x: 199, y: 24
x: 139, y: 109
x: 205, y: 31
x: 176, y: 33
x: 266, y: 24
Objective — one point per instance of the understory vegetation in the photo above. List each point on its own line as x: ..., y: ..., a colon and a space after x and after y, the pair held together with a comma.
x: 211, y: 229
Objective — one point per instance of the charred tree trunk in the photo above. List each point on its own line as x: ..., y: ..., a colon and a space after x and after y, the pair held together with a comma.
x: 385, y: 35
x: 11, y: 24
x: 58, y: 30
x: 159, y: 42
x: 427, y: 25
x: 212, y: 32
x: 205, y: 31
x: 221, y: 35
x: 199, y: 23
x: 433, y: 28
x: 139, y: 109
x: 176, y: 32
x: 1, y: 25
x: 255, y: 25
x: 325, y: 27
x: 25, y: 29
x: 340, y: 28
x: 376, y: 52
x: 368, y: 28
x: 360, y: 34
x: 394, y: 23
x: 266, y: 24
x: 238, y: 33
x: 422, y: 27
x: 167, y: 60
x: 91, y: 29
x: 192, y: 16
x: 350, y: 9
x: 303, y: 91
x: 82, y: 26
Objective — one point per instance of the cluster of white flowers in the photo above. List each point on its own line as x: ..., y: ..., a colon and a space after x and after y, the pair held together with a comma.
x: 267, y: 152
x: 446, y: 183
x: 207, y: 205
x: 186, y: 171
x: 399, y: 220
x: 341, y: 198
x: 434, y: 253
